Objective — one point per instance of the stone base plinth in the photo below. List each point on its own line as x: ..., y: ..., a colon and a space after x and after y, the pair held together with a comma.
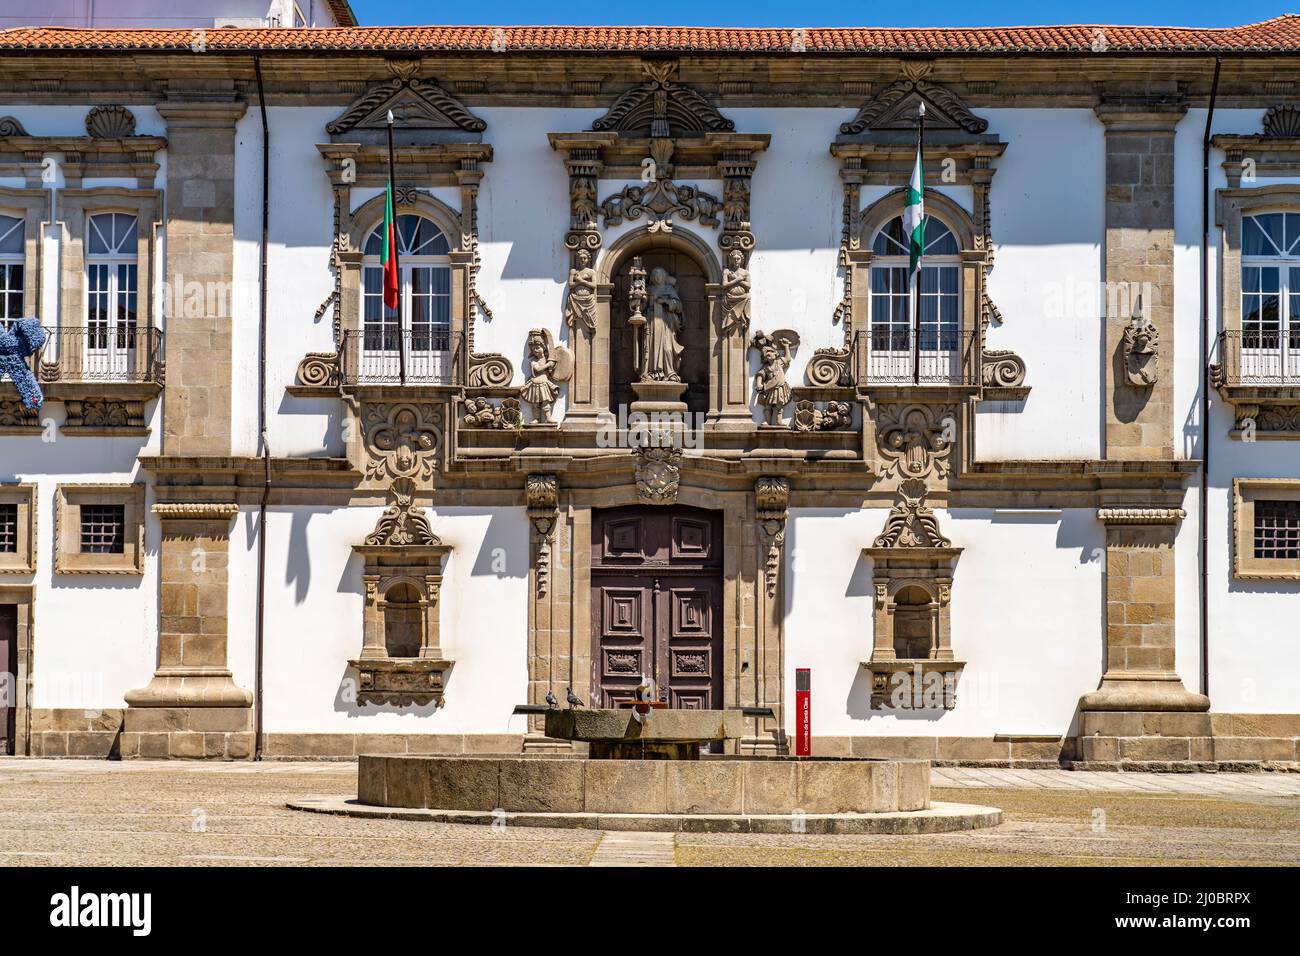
x: 659, y: 397
x: 717, y: 785
x: 213, y: 733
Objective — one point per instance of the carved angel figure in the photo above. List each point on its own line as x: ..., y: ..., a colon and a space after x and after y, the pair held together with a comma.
x: 548, y: 366
x: 735, y: 294
x: 770, y: 383
x: 580, y: 307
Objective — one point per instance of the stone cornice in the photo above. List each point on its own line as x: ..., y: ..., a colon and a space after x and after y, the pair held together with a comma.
x: 197, y: 511
x: 1153, y: 516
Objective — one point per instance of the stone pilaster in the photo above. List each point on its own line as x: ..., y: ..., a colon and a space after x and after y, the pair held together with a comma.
x: 1142, y: 712
x: 1139, y: 270
x: 200, y: 218
x: 192, y: 707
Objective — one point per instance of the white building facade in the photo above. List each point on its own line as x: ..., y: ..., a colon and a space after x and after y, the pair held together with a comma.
x: 662, y: 397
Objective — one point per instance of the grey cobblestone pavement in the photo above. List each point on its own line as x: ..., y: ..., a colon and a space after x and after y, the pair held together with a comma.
x: 70, y: 812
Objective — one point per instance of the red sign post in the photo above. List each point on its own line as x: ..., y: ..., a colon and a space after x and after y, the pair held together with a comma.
x: 803, y: 712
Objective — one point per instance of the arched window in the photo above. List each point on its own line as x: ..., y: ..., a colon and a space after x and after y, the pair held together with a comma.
x: 894, y: 297
x: 12, y: 267
x: 1270, y: 295
x: 425, y: 291
x: 112, y: 285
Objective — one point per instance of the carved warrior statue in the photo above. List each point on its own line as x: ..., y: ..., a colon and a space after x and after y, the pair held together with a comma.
x: 735, y: 294
x: 911, y: 524
x: 548, y: 365
x: 580, y: 307
x: 770, y: 384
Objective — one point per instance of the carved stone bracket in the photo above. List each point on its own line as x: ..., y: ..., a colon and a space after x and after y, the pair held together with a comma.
x: 543, y: 494
x: 829, y: 367
x: 489, y: 370
x: 1002, y: 369
x: 319, y: 370
x: 771, y: 508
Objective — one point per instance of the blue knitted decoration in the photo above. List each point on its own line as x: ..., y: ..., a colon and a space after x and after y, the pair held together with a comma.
x: 24, y: 337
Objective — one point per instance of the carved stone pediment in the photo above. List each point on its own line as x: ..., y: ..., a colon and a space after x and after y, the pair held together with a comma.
x: 911, y: 523
x: 661, y: 107
x: 1282, y: 121
x: 402, y: 523
x: 895, y: 108
x: 421, y: 111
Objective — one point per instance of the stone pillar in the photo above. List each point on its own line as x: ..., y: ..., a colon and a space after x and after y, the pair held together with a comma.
x: 1139, y: 264
x: 1142, y: 712
x: 200, y: 218
x: 550, y: 605
x: 192, y: 707
x: 729, y: 384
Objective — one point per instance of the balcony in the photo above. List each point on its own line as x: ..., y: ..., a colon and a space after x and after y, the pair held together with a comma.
x: 104, y: 376
x: 888, y: 356
x: 102, y: 353
x: 427, y: 356
x: 1258, y: 373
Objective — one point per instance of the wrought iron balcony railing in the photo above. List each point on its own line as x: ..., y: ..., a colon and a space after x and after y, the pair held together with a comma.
x: 419, y: 356
x: 889, y: 355
x: 102, y: 353
x: 1265, y: 357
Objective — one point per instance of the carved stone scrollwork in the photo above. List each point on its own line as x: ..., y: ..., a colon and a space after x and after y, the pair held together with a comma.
x: 103, y: 413
x: 660, y: 202
x: 662, y: 107
x: 416, y: 104
x: 772, y: 507
x: 1002, y: 368
x: 14, y: 414
x: 829, y: 367
x: 110, y: 122
x: 911, y: 524
x: 481, y: 413
x: 543, y: 493
x: 401, y: 441
x: 915, y: 441
x: 658, y: 474
x: 895, y: 107
x: 809, y: 418
x: 319, y: 369
x: 403, y: 523
x: 1282, y: 121
x: 489, y: 370
x: 9, y: 126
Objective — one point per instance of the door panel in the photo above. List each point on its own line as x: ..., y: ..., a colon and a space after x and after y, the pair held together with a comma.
x: 9, y: 682
x: 656, y: 588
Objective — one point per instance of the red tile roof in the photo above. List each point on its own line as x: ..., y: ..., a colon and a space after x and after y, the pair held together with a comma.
x: 1279, y: 35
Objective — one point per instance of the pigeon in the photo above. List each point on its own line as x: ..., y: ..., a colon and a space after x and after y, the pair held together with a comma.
x: 574, y: 699
x: 551, y: 700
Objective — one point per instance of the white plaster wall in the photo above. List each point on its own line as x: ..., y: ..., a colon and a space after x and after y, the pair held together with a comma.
x: 1048, y: 221
x: 314, y: 620
x: 1027, y: 617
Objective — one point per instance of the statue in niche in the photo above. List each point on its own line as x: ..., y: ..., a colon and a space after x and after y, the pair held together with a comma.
x: 580, y: 308
x: 548, y: 365
x: 663, y: 351
x: 735, y: 294
x: 770, y: 383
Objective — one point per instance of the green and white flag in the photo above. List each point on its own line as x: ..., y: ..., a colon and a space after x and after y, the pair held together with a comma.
x: 914, y: 215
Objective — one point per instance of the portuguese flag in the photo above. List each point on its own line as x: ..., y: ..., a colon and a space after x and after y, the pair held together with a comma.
x: 390, y: 251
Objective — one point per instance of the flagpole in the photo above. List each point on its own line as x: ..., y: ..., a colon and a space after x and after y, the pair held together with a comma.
x: 397, y: 264
x: 916, y: 275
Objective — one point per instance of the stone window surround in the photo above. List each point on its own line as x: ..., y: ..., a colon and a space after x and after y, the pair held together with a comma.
x: 23, y: 561
x: 1231, y: 206
x: 76, y: 206
x: 363, y: 221
x: 972, y: 257
x: 68, y: 558
x: 31, y: 206
x: 1245, y: 492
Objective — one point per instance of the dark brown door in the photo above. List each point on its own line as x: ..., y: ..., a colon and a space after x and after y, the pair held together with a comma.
x: 8, y: 675
x: 656, y: 591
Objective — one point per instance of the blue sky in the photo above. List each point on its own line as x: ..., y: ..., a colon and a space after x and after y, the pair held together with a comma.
x: 770, y: 13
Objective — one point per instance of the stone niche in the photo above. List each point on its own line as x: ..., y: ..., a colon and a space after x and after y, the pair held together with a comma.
x: 401, y: 660
x: 911, y: 664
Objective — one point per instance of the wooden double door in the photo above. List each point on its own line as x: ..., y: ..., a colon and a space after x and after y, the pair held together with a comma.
x: 656, y: 592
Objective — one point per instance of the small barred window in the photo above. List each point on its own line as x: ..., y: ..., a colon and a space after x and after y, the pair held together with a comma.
x: 8, y: 529
x: 103, y: 529
x: 1277, y: 529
